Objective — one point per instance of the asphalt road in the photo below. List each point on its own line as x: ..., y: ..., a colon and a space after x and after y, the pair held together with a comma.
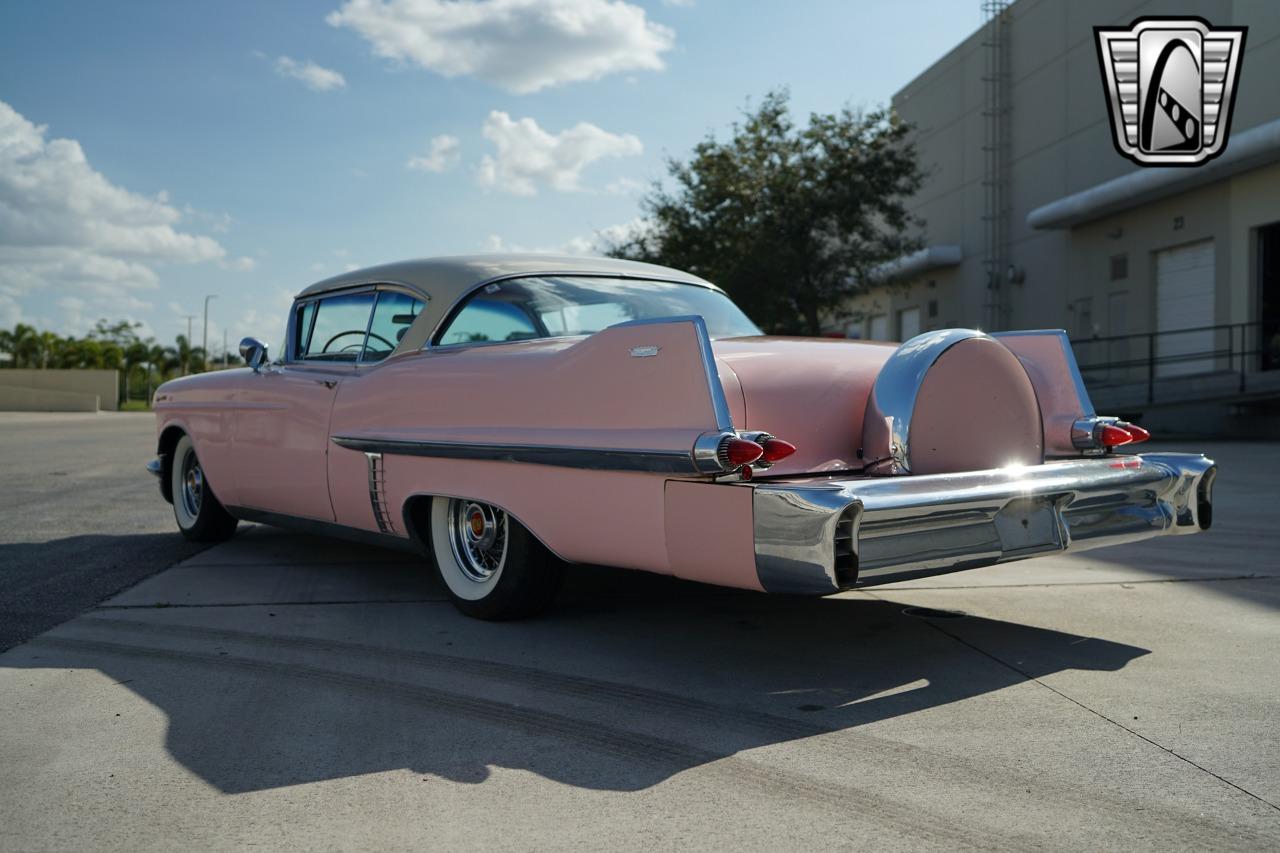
x: 81, y: 517
x: 292, y: 693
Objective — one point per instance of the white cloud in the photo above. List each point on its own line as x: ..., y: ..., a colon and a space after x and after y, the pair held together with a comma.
x: 528, y: 155
x: 315, y: 77
x: 243, y: 263
x: 64, y: 225
x: 625, y: 186
x: 519, y: 45
x: 442, y: 154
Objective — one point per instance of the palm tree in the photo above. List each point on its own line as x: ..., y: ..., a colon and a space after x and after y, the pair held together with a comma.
x: 49, y: 344
x: 157, y: 359
x: 25, y: 345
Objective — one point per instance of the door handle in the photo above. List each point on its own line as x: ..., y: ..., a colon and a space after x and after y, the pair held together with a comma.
x: 328, y: 383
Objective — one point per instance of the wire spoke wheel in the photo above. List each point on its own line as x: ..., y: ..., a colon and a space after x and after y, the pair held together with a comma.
x: 192, y: 492
x: 491, y: 565
x: 478, y: 538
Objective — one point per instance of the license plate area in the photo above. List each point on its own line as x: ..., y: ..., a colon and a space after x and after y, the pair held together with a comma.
x: 1031, y: 525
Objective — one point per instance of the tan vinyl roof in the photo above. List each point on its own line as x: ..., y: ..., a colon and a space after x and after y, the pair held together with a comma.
x: 447, y: 279
x: 444, y: 281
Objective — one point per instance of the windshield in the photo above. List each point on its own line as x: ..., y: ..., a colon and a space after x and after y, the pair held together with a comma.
x: 551, y: 306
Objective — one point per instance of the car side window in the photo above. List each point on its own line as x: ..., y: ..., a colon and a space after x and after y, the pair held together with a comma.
x: 392, y: 316
x: 338, y: 330
x: 485, y: 319
x: 305, y: 316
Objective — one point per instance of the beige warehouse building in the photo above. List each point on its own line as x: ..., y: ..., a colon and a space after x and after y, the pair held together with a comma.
x: 1168, y: 279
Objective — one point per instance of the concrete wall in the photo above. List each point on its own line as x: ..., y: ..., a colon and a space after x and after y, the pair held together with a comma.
x: 1060, y: 143
x: 99, y: 384
x: 19, y: 399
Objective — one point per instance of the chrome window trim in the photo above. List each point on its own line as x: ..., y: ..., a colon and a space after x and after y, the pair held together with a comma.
x: 449, y: 314
x: 461, y: 345
x: 290, y: 355
x: 893, y: 397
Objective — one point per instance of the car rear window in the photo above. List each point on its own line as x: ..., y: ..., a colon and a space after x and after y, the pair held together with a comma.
x: 553, y: 306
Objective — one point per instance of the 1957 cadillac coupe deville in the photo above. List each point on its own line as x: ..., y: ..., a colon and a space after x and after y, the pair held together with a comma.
x: 507, y: 414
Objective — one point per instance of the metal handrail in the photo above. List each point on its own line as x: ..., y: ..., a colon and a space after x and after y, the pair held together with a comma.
x: 1239, y: 356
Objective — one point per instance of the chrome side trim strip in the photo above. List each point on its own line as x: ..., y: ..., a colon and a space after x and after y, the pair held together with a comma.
x: 155, y: 466
x: 377, y: 496
x: 701, y: 460
x: 891, y: 529
x: 893, y: 397
x: 590, y: 458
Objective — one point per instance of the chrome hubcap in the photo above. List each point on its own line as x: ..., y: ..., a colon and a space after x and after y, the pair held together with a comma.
x: 192, y: 484
x: 478, y: 537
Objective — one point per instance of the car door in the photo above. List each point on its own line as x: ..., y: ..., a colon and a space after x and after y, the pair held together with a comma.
x: 282, y: 417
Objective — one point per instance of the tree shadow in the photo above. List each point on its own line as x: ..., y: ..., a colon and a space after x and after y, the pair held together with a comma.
x: 43, y: 584
x: 633, y: 679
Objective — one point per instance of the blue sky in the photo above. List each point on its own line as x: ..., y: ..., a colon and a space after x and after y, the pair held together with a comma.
x: 247, y: 149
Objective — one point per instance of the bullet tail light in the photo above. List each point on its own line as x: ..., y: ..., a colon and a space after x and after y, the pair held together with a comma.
x: 736, y: 451
x: 1102, y: 434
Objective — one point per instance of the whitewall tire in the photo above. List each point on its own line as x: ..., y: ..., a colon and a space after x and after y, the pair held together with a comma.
x: 492, y: 567
x: 200, y: 516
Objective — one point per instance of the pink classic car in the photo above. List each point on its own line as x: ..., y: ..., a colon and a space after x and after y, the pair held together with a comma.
x: 508, y: 414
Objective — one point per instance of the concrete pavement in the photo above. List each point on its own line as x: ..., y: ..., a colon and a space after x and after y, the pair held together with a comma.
x: 289, y: 692
x: 77, y: 522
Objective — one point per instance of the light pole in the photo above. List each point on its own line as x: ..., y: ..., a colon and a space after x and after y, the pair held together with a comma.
x: 204, y: 345
x: 186, y: 361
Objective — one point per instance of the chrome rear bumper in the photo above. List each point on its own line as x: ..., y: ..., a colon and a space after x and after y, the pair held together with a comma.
x: 819, y: 535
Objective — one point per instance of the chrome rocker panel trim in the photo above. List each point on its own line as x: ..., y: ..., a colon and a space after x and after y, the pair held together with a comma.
x: 909, y: 527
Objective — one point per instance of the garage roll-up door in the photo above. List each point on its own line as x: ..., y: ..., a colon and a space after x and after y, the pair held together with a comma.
x: 1184, y: 300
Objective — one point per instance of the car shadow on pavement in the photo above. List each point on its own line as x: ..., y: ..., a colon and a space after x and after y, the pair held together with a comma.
x: 630, y: 681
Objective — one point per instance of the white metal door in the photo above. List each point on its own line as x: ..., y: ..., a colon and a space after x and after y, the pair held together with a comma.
x: 1184, y: 300
x: 878, y: 328
x: 908, y: 323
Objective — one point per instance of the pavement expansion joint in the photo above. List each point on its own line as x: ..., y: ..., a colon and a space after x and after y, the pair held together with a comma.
x: 1082, y: 583
x: 1028, y: 676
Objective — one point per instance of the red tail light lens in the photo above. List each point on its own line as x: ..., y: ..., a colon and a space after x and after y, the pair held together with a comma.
x: 735, y: 452
x: 776, y: 449
x: 1136, y: 432
x: 1113, y: 436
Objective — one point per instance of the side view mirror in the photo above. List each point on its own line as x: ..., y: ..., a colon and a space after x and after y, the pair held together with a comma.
x: 254, y: 353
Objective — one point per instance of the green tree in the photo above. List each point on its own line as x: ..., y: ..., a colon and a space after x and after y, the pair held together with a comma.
x: 25, y: 344
x: 789, y: 221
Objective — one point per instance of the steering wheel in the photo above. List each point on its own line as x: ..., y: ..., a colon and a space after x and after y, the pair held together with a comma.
x: 329, y: 343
